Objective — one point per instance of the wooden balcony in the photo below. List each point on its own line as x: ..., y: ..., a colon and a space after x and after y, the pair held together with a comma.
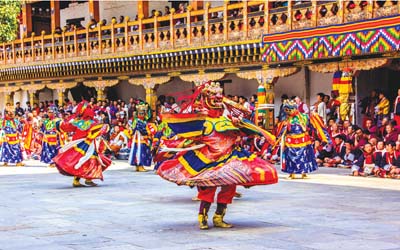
x: 230, y: 24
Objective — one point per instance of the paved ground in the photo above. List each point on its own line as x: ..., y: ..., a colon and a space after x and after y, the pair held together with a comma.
x: 40, y: 210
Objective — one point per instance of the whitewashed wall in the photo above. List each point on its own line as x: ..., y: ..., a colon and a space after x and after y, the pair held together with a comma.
x: 109, y: 9
x: 125, y: 91
x: 158, y: 5
x: 175, y: 86
x: 320, y: 82
x: 47, y: 95
x: 75, y: 10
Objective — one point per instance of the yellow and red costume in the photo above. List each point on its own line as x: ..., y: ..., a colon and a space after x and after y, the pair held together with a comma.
x: 213, y: 159
x: 83, y: 157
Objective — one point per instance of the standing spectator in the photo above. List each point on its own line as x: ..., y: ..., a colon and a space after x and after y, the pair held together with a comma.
x: 105, y: 32
x: 18, y: 110
x: 28, y: 107
x: 333, y: 106
x: 396, y: 109
x: 321, y: 106
x: 243, y: 101
x: 181, y: 9
x: 121, y: 21
x: 135, y: 27
x: 281, y: 116
x: 303, y: 108
x: 167, y: 12
x: 174, y: 108
x: 382, y: 108
x: 367, y: 106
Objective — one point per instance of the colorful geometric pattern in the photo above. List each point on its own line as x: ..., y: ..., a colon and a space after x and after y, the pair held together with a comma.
x: 357, y: 38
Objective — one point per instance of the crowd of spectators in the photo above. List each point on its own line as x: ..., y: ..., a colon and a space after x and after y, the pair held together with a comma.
x: 370, y: 148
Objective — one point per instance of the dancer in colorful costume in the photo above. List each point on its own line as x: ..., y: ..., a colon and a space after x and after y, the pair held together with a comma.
x: 51, y: 139
x: 83, y: 157
x: 30, y: 135
x: 213, y: 158
x: 141, y: 131
x: 297, y: 151
x: 10, y: 149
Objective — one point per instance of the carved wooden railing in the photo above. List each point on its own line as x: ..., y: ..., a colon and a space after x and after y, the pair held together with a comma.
x: 227, y: 24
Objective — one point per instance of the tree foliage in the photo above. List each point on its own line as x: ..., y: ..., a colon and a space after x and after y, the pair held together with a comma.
x: 9, y: 11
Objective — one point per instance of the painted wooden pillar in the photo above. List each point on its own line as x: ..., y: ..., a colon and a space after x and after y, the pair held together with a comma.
x: 27, y: 18
x: 55, y: 14
x: 94, y: 10
x: 143, y: 8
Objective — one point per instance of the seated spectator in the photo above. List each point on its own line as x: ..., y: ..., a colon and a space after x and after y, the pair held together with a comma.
x: 351, y: 133
x: 391, y: 134
x: 325, y: 156
x: 349, y: 156
x: 317, y: 147
x: 345, y: 127
x: 382, y: 127
x: 334, y: 130
x: 390, y: 163
x: 379, y: 152
x: 361, y: 138
x: 364, y: 165
x: 369, y: 125
x: 340, y: 148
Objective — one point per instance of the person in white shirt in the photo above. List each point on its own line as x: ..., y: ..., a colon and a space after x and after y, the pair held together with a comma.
x: 243, y: 101
x: 301, y: 106
x: 321, y: 106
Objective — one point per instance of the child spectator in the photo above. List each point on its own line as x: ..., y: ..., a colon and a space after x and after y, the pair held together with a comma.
x: 365, y: 164
x: 390, y: 163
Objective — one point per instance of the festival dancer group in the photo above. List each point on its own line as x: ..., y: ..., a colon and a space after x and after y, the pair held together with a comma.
x: 198, y: 147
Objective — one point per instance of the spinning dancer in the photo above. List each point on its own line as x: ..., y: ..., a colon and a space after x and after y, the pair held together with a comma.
x: 213, y: 159
x: 82, y: 157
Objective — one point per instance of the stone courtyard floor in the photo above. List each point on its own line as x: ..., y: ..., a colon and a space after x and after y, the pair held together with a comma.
x: 40, y: 210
